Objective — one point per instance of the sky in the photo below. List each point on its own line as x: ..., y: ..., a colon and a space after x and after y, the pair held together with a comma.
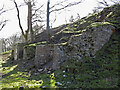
x: 12, y: 26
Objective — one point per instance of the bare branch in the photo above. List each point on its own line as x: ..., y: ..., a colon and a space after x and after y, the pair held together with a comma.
x: 3, y: 11
x: 115, y: 1
x: 103, y: 3
x: 18, y: 15
x: 38, y: 21
x: 2, y: 24
x: 66, y: 6
x: 37, y: 9
x: 60, y: 3
x: 2, y: 8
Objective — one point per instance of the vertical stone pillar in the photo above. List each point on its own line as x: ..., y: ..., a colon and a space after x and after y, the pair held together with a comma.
x: 44, y: 54
x: 1, y: 46
x: 29, y: 52
x: 49, y: 56
x: 1, y: 50
x: 18, y: 51
x: 57, y: 57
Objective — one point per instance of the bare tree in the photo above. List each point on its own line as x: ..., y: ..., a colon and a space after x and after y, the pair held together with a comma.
x: 25, y: 34
x: 63, y: 6
x: 32, y: 18
x: 38, y: 29
x: 8, y: 43
x: 54, y: 8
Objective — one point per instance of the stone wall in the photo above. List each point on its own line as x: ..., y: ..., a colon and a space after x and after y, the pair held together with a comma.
x: 1, y: 46
x: 48, y: 56
x: 85, y: 44
x: 29, y: 52
x: 18, y: 51
x: 90, y: 41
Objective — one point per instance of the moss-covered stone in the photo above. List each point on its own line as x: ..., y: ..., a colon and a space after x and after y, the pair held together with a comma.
x: 97, y: 24
x: 29, y: 52
x: 78, y: 70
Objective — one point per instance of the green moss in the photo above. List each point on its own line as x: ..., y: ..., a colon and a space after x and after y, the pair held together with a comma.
x: 62, y: 44
x: 12, y: 78
x: 43, y: 42
x: 99, y: 24
x: 35, y: 44
x: 6, y: 70
x: 76, y: 35
x: 30, y: 52
x: 91, y: 15
x: 7, y: 52
x: 64, y: 39
x: 100, y: 71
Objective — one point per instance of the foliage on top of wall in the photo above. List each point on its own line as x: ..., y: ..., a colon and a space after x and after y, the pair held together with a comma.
x: 97, y: 24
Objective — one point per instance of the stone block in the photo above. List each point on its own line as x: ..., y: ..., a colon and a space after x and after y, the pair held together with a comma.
x: 48, y: 56
x: 43, y: 54
x: 90, y: 41
x: 1, y: 46
x: 18, y: 51
x: 29, y: 52
x: 58, y: 57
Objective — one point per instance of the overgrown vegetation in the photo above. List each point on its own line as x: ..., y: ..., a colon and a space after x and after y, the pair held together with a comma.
x: 7, y: 52
x: 100, y: 71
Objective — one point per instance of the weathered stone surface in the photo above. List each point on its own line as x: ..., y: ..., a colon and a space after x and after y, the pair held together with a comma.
x: 29, y: 52
x: 43, y: 54
x: 18, y: 51
x: 48, y: 56
x: 1, y: 46
x: 58, y: 57
x: 90, y: 41
x: 1, y: 49
x: 85, y: 44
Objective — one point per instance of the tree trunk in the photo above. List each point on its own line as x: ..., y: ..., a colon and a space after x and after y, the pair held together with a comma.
x: 48, y: 15
x: 30, y: 21
x: 25, y: 35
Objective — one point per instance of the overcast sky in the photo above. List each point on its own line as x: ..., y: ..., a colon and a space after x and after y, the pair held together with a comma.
x: 12, y: 26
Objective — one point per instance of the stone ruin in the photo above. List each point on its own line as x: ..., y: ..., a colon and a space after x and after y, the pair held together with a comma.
x: 48, y: 54
x: 90, y: 41
x: 17, y: 52
x: 51, y: 56
x: 1, y: 48
x: 85, y: 44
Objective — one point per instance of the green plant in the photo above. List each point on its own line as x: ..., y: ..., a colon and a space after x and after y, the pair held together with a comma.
x: 7, y: 52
